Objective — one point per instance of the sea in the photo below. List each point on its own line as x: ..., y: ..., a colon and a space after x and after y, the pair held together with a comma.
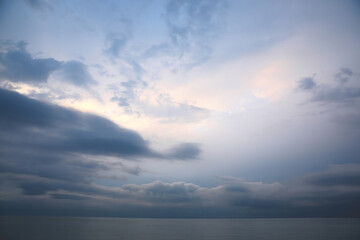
x: 83, y: 228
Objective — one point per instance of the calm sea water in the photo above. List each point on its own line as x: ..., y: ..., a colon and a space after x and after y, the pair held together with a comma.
x: 53, y: 228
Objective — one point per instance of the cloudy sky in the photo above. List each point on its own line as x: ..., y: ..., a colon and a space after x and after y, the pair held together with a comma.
x: 180, y: 108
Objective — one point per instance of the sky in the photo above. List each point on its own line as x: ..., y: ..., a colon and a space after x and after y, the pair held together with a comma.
x: 180, y: 108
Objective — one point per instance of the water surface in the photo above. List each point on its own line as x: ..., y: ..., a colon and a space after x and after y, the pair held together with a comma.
x: 61, y: 228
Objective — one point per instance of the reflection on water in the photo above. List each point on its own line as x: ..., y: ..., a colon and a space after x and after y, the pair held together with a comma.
x: 56, y: 228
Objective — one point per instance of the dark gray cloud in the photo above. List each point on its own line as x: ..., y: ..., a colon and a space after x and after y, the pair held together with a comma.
x: 306, y: 83
x: 335, y: 192
x: 68, y: 196
x: 322, y: 194
x: 45, y: 152
x: 335, y: 94
x: 32, y: 185
x: 159, y: 193
x: 344, y: 75
x: 185, y: 151
x: 52, y: 145
x: 17, y: 65
x: 347, y: 175
x: 132, y: 170
x: 341, y: 98
x: 67, y: 130
x: 342, y: 92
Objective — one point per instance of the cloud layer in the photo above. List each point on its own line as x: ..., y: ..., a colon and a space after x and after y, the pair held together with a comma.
x: 323, y: 194
x: 52, y: 147
x: 343, y: 91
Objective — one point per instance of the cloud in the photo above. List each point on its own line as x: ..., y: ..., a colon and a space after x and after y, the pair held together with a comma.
x: 351, y: 119
x: 132, y: 170
x: 159, y: 193
x: 32, y: 185
x: 344, y: 75
x: 344, y: 92
x: 17, y: 65
x: 185, y: 151
x: 163, y: 108
x: 334, y: 192
x: 189, y: 18
x: 56, y: 146
x: 76, y: 73
x: 125, y: 93
x: 70, y: 131
x: 306, y: 83
x: 170, y: 111
x: 338, y: 175
x: 68, y: 196
x: 191, y: 26
x: 115, y: 46
x: 335, y: 94
x: 339, y: 93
